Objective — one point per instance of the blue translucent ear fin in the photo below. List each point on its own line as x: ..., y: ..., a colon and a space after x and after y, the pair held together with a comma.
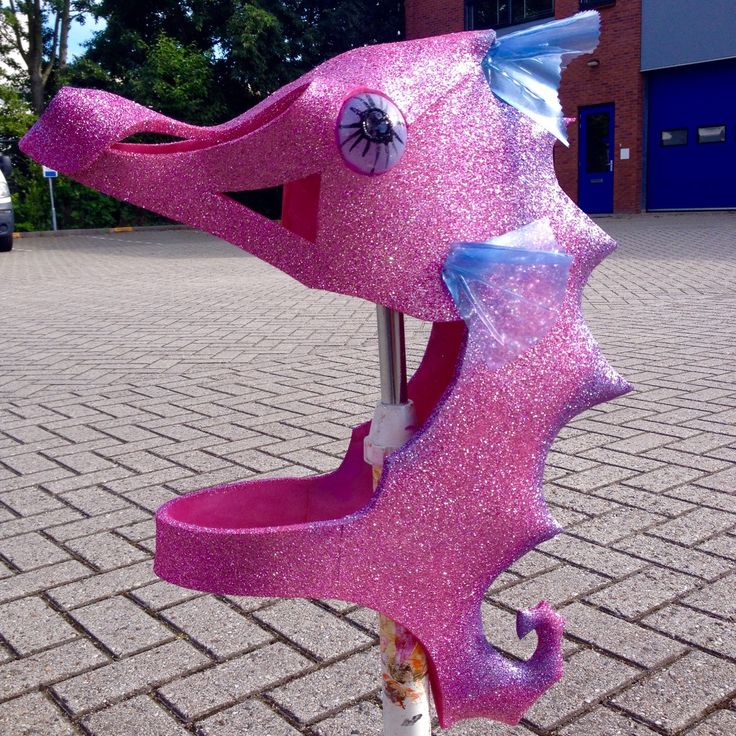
x: 524, y: 68
x: 508, y: 290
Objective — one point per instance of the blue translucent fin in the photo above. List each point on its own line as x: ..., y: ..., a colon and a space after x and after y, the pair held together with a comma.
x: 524, y: 68
x: 509, y: 289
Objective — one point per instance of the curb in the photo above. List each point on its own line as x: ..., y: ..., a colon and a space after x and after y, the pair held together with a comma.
x: 98, y: 231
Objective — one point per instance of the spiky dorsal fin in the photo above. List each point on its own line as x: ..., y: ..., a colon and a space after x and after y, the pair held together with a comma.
x: 524, y: 68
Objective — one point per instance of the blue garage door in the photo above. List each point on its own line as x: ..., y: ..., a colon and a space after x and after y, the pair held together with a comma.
x: 692, y: 137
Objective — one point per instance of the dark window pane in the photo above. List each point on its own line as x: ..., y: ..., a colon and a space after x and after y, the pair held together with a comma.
x: 518, y: 11
x: 674, y: 137
x: 524, y: 11
x: 712, y: 134
x: 597, y: 143
x: 502, y: 13
x: 586, y: 4
x: 538, y: 9
x: 481, y: 14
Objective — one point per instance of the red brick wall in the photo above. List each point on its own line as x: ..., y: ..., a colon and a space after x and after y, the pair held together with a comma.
x: 617, y: 79
x: 433, y: 17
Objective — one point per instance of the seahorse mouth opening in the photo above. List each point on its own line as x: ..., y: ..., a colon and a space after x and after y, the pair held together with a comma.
x: 257, y: 504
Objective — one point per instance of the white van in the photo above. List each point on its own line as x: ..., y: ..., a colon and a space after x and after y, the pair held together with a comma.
x: 6, y: 207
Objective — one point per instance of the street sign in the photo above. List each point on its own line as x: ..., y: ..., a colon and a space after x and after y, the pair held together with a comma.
x: 51, y: 174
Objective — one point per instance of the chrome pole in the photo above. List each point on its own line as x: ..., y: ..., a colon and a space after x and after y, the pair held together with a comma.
x: 392, y: 355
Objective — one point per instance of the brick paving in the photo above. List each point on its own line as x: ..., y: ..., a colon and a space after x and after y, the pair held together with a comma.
x: 138, y: 366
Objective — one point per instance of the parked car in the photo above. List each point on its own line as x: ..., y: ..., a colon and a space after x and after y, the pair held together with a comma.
x: 7, y: 220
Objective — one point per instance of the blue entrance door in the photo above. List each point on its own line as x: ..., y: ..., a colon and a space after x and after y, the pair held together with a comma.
x: 595, y: 159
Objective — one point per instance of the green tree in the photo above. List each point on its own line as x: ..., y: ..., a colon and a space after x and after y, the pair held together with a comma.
x: 252, y: 46
x: 176, y: 80
x: 255, y: 51
x: 37, y: 33
x: 267, y: 43
x: 15, y: 117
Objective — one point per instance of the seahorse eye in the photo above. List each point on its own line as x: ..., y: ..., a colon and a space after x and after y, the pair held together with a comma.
x: 371, y: 133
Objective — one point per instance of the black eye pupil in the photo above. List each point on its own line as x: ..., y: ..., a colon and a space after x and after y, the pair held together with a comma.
x: 376, y: 125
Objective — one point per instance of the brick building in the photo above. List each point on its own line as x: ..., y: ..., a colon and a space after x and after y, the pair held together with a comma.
x: 655, y: 103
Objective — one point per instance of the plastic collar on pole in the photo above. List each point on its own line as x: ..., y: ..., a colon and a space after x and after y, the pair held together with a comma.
x: 391, y: 427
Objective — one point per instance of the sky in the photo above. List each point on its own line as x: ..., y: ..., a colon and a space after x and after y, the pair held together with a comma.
x: 79, y: 34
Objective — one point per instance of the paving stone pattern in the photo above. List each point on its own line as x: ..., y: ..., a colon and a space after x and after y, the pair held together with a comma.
x: 140, y: 366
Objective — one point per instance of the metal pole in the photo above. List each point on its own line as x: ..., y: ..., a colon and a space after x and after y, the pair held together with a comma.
x: 405, y: 688
x: 53, y: 206
x: 392, y: 355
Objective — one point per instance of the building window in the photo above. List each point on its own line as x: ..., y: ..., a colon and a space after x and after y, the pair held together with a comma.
x: 712, y: 134
x: 501, y: 13
x: 588, y: 4
x: 673, y: 137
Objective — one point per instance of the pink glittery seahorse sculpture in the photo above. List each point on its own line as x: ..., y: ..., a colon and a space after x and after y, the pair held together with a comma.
x: 389, y: 155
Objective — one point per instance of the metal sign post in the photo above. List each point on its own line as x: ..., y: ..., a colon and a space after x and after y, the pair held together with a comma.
x: 51, y: 174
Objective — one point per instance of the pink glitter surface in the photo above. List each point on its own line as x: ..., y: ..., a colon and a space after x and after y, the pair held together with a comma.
x: 462, y: 500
